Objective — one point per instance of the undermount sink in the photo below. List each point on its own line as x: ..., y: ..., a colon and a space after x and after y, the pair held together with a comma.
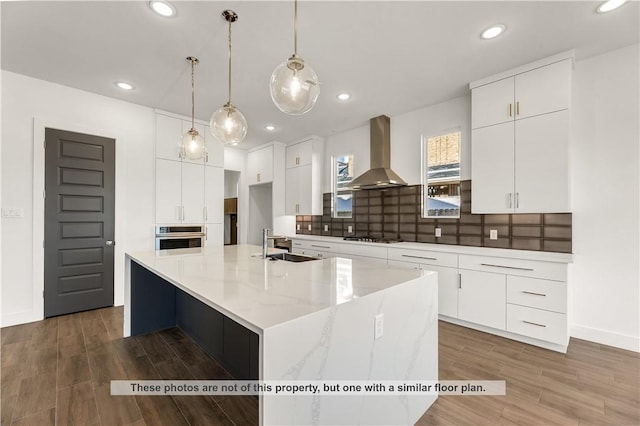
x: 290, y: 257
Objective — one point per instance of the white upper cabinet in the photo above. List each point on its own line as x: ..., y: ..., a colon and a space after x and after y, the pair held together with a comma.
x: 492, y: 174
x: 299, y: 154
x: 519, y: 141
x: 541, y: 164
x: 168, y: 134
x: 303, y: 177
x: 192, y: 193
x: 187, y: 191
x: 168, y: 191
x: 260, y: 165
x: 215, y: 149
x: 493, y: 103
x: 543, y: 90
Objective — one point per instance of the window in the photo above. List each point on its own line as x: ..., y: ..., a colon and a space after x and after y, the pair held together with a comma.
x: 342, y: 175
x: 441, y: 175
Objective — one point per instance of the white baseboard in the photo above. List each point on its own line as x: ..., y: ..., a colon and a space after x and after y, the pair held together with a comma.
x: 16, y: 318
x: 604, y: 337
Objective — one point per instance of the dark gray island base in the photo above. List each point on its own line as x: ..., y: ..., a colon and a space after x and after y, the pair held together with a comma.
x: 156, y: 304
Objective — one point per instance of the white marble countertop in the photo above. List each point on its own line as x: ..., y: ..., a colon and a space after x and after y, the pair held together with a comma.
x: 261, y: 293
x: 447, y: 248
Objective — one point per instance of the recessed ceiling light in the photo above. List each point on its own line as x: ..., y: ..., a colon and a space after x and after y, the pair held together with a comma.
x: 162, y: 8
x: 270, y: 128
x: 344, y: 96
x: 124, y: 86
x: 608, y: 6
x: 493, y: 31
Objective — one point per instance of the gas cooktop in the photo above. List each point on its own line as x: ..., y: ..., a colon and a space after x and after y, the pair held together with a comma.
x: 370, y: 239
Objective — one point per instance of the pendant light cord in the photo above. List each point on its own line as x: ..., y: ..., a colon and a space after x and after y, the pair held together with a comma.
x: 295, y: 28
x: 229, y: 63
x: 193, y: 96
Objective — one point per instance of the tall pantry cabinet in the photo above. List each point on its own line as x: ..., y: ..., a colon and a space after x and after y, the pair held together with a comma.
x: 188, y: 191
x: 520, y: 139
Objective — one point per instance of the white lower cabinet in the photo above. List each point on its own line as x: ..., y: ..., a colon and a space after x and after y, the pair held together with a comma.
x: 514, y: 297
x: 482, y: 298
x: 537, y: 323
x: 447, y: 285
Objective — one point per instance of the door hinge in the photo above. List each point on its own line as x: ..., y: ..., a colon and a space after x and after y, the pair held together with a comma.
x: 44, y: 194
x: 44, y: 144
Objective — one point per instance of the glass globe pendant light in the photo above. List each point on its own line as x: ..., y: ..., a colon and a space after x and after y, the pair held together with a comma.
x: 192, y: 143
x: 294, y: 85
x: 228, y: 124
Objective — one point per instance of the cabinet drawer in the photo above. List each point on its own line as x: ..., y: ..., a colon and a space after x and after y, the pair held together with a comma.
x: 519, y: 267
x: 536, y: 323
x: 536, y: 293
x: 362, y: 250
x: 424, y: 257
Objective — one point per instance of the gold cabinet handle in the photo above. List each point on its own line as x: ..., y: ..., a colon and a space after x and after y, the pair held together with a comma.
x: 518, y: 108
x: 510, y: 110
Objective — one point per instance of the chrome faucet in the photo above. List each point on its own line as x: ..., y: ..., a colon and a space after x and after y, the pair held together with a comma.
x: 265, y: 240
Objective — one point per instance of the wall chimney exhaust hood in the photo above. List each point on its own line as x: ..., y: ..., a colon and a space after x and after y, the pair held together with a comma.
x: 379, y: 175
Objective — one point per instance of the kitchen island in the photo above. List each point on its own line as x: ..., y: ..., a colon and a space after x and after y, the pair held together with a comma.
x: 278, y: 320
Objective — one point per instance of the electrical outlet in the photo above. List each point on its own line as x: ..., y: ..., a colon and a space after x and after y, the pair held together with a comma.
x: 493, y: 234
x: 378, y: 326
x: 326, y: 228
x: 438, y: 232
x: 297, y: 226
x: 309, y: 227
x: 350, y: 229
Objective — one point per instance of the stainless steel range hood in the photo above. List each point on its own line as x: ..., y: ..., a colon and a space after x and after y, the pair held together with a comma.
x: 380, y: 174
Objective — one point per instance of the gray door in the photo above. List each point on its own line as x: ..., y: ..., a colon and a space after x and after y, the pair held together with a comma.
x: 79, y: 222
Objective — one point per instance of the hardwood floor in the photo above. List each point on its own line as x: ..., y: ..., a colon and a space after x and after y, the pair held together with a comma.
x: 591, y: 384
x: 57, y: 372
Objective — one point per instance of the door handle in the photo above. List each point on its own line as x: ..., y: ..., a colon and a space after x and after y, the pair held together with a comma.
x: 206, y: 216
x: 510, y: 200
x: 517, y: 200
x: 459, y: 280
x: 518, y: 108
x: 110, y: 243
x: 510, y: 110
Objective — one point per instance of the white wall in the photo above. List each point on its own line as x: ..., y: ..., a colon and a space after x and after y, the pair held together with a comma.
x: 605, y: 191
x: 25, y: 101
x: 406, y: 132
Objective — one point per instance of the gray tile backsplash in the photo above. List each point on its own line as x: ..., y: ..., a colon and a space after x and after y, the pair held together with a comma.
x: 395, y: 214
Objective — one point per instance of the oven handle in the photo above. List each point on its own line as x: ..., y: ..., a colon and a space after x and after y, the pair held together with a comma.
x: 176, y: 235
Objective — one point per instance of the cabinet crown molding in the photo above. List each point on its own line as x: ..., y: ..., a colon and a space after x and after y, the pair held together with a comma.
x: 569, y: 54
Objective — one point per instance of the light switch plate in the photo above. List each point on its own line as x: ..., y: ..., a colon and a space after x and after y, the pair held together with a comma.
x: 350, y: 229
x: 326, y: 228
x: 438, y: 232
x: 297, y: 227
x: 378, y: 326
x: 12, y: 212
x: 493, y: 234
x: 309, y: 227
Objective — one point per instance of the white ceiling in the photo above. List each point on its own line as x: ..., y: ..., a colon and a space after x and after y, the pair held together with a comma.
x: 392, y: 56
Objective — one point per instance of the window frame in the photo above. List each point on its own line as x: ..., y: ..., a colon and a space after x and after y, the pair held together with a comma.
x: 334, y: 186
x: 424, y: 168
